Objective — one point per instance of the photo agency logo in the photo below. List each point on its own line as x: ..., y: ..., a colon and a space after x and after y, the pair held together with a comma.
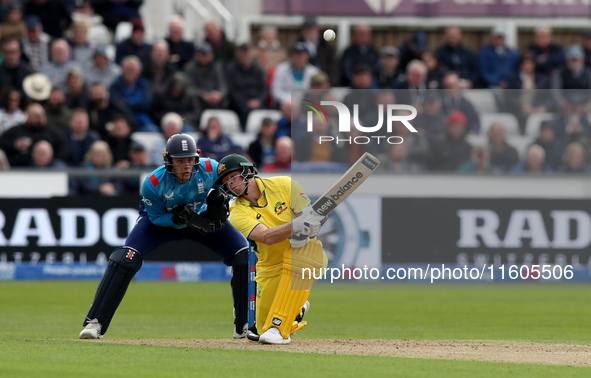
x: 393, y: 113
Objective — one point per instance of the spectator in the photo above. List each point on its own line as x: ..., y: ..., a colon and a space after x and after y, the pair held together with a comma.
x: 261, y: 150
x: 119, y: 140
x: 35, y: 44
x: 159, y: 68
x: 387, y: 73
x: 284, y: 123
x: 413, y: 89
x: 207, y: 78
x: 113, y: 12
x: 13, y: 26
x: 59, y: 64
x: 549, y: 56
x: 434, y: 70
x: 269, y: 50
x: 177, y: 98
x: 99, y: 33
x: 18, y: 140
x: 571, y: 84
x: 360, y: 51
x: 419, y: 148
x: 37, y: 87
x: 42, y: 157
x: 413, y: 49
x: 76, y: 92
x: 81, y: 47
x: 215, y: 143
x: 431, y: 122
x: 134, y: 91
x: 321, y: 53
x: 223, y: 50
x: 448, y: 153
x: 11, y: 113
x: 307, y: 148
x: 573, y: 160
x: 587, y: 47
x: 247, y: 87
x: 4, y: 164
x: 503, y: 155
x: 139, y: 159
x: 398, y: 160
x: 13, y: 70
x: 454, y: 100
x: 98, y: 157
x: 292, y: 74
x: 527, y: 91
x: 479, y: 163
x: 134, y: 45
x: 171, y: 124
x: 57, y: 112
x: 496, y: 62
x: 282, y: 159
x: 79, y: 137
x: 363, y: 95
x: 533, y: 162
x: 100, y: 69
x: 181, y: 51
x: 553, y: 147
x: 53, y: 14
x: 454, y: 56
x: 102, y: 110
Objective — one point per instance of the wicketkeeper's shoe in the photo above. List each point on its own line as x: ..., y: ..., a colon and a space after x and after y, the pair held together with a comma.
x: 243, y: 334
x: 273, y: 336
x: 252, y: 334
x: 92, y: 330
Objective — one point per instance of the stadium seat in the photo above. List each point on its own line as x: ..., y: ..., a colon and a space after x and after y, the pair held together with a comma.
x: 521, y: 143
x: 255, y: 117
x: 534, y: 121
x: 477, y: 139
x: 228, y: 119
x: 243, y: 139
x: 340, y: 92
x: 508, y: 120
x: 147, y: 138
x: 483, y: 100
x: 123, y: 31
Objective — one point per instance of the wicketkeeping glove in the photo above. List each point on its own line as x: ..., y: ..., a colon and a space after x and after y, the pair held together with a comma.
x: 217, y: 208
x: 184, y: 215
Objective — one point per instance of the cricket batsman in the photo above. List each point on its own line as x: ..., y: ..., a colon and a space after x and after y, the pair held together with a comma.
x: 274, y: 214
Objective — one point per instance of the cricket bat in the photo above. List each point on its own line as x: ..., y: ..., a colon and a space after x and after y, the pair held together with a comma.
x: 347, y: 184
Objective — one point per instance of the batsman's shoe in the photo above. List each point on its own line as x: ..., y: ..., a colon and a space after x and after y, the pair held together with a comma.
x: 297, y: 326
x: 252, y: 334
x: 305, y: 310
x: 273, y: 336
x: 243, y: 334
x: 92, y: 330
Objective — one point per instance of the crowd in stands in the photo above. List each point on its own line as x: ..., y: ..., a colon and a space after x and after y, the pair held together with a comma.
x: 71, y: 96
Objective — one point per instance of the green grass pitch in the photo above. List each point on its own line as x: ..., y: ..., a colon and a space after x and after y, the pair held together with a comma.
x: 41, y: 321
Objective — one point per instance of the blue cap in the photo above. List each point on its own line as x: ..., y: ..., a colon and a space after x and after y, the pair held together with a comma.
x: 33, y: 22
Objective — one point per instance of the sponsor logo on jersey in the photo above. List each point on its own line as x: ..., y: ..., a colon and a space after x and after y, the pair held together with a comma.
x: 258, y: 216
x: 305, y: 196
x: 276, y: 322
x: 147, y: 201
x: 280, y: 207
x: 200, y: 187
x: 169, y: 196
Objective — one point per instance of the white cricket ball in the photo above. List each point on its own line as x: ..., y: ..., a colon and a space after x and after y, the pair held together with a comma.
x: 329, y: 35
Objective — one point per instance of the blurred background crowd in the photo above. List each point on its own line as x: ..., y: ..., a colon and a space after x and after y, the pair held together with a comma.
x: 79, y: 90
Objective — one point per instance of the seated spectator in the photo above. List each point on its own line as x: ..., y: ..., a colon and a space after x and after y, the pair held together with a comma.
x: 114, y: 12
x: 413, y: 49
x: 284, y: 123
x: 454, y: 56
x: 292, y: 74
x: 398, y: 160
x: 59, y: 64
x: 181, y: 51
x: 53, y: 14
x: 11, y: 111
x: 103, y: 110
x: 307, y: 148
x: 119, y: 140
x: 479, y: 163
x: 571, y: 84
x: 363, y: 95
x: 361, y: 50
x: 553, y: 147
x: 56, y: 110
x: 82, y: 48
x: 387, y: 71
x: 434, y: 70
x: 573, y: 160
x: 419, y: 148
x: 76, y: 92
x: 269, y: 50
x: 83, y: 11
x: 79, y: 137
x: 261, y: 150
x: 247, y: 87
x: 548, y: 55
x: 17, y: 141
x: 207, y: 78
x: 13, y: 26
x: 413, y: 88
x: 448, y: 153
x: 503, y: 155
x: 223, y: 50
x: 432, y: 121
x: 321, y: 53
x: 215, y: 143
x: 134, y: 91
x: 98, y: 157
x: 4, y: 164
x: 100, y: 69
x: 533, y: 162
x: 454, y: 100
x: 139, y: 158
x: 134, y: 45
x: 13, y: 69
x: 496, y: 61
x: 35, y: 43
x: 177, y: 98
x: 587, y: 47
x: 159, y: 68
x: 171, y: 124
x: 42, y: 157
x: 282, y: 156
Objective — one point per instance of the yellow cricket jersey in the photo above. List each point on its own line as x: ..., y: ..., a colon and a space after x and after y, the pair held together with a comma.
x: 276, y: 207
